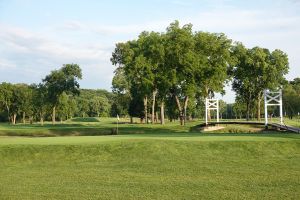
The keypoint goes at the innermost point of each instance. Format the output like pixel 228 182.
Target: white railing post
pixel 280 104
pixel 206 111
pixel 217 110
pixel 211 104
pixel 273 99
pixel 266 109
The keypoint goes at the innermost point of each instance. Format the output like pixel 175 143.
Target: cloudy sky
pixel 39 36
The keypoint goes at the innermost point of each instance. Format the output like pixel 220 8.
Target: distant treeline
pixel 25 102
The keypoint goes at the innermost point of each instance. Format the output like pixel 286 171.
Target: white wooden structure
pixel 273 99
pixel 211 104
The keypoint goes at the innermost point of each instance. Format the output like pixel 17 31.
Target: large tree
pixel 6 95
pixel 121 90
pixel 40 102
pixel 19 101
pixel 291 98
pixel 152 48
pixel 213 62
pixel 137 68
pixel 26 105
pixel 62 80
pixel 99 106
pixel 180 63
pixel 257 69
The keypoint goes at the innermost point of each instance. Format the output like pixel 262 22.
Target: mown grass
pixel 151 166
pixel 107 126
pixel 147 162
pixel 102 126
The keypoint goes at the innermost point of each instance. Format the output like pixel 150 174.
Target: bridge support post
pixel 218 115
pixel 211 104
pixel 280 107
pixel 206 112
pixel 266 109
pixel 273 99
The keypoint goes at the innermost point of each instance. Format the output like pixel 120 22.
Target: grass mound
pixel 151 167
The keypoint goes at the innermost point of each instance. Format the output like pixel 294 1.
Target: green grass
pixel 293 122
pixel 104 126
pixel 151 166
pixel 147 162
pixel 85 119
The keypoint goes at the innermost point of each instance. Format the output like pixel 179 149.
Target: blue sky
pixel 39 36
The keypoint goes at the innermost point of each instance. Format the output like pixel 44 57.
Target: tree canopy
pixel 174 65
pixel 257 69
pixel 60 81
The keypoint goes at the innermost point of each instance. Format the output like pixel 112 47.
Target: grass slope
pixel 151 166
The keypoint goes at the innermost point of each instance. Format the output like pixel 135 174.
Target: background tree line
pixel 57 97
pixel 174 71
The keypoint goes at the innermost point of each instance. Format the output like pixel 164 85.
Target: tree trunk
pixel 42 119
pixel 31 119
pixel 156 117
pixel 14 118
pixel 180 110
pixel 146 109
pixel 248 111
pixel 162 112
pixel 24 115
pixel 185 107
pixel 258 107
pixel 8 113
pixel 53 115
pixel 131 120
pixel 153 105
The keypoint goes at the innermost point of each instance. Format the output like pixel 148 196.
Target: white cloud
pixel 34 56
pixel 90 44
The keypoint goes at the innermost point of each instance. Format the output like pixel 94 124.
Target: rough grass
pixel 151 166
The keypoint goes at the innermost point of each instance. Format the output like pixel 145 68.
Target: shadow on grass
pixel 85 119
pixel 81 130
pixel 39 126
